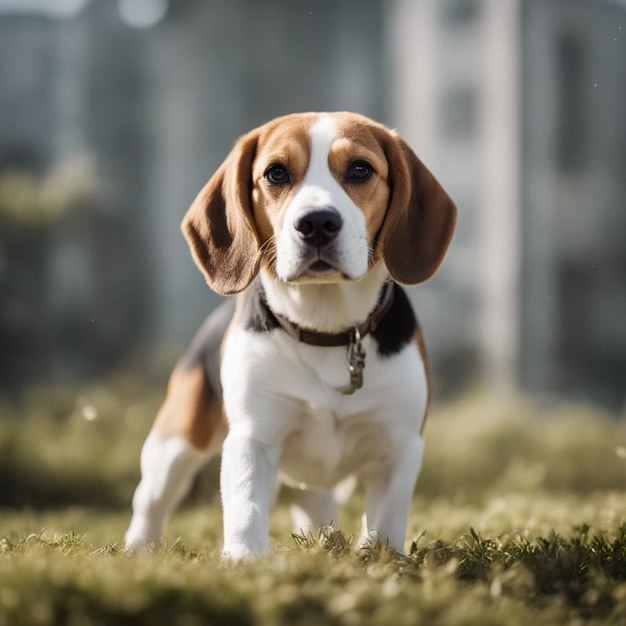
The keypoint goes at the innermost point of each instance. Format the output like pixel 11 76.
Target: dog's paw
pixel 141 545
pixel 237 552
pixel 141 536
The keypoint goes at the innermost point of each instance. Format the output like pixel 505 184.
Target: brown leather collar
pixel 344 338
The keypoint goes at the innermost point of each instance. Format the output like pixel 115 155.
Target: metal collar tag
pixel 356 364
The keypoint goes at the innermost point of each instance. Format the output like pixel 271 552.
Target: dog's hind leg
pixel 312 509
pixel 388 492
pixel 188 431
pixel 168 467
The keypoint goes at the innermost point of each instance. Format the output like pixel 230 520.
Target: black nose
pixel 319 226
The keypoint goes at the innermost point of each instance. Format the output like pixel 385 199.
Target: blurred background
pixel 113 114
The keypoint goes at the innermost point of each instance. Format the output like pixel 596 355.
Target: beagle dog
pixel 316 372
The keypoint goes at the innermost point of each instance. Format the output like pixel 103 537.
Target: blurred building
pixel 151 95
pixel 519 106
pixel 516 105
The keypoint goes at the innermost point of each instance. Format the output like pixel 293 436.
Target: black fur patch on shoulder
pixel 396 329
pixel 204 350
pixel 255 314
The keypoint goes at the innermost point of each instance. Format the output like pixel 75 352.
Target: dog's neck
pixel 328 307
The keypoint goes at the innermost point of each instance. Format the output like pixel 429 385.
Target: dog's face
pixel 319 198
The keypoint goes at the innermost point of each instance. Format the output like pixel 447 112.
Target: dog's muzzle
pixel 317 229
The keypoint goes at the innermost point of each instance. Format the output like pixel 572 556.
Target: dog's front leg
pixel 388 494
pixel 248 479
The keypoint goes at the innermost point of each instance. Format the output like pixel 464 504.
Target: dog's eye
pixel 277 174
pixel 360 171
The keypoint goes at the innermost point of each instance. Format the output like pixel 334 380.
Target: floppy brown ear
pixel 219 226
pixel 420 217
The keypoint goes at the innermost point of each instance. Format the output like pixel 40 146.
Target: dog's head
pixel 319 198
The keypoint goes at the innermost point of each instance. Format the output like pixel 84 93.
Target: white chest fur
pixel 284 395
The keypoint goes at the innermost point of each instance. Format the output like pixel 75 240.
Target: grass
pixel 519 517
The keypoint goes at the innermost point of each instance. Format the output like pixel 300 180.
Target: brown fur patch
pixel 418 339
pixel 191 410
pixel 358 142
pixel 287 144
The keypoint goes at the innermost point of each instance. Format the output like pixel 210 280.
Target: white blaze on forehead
pixel 319 185
pixel 323 133
pixel 319 189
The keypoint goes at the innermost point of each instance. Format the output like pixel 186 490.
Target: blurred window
pixel 459 112
pixel 461 13
pixel 572 94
